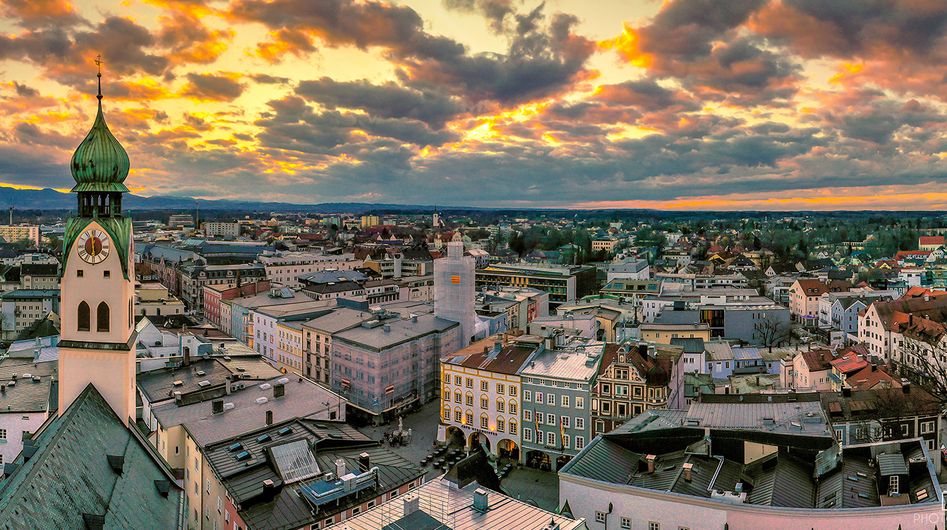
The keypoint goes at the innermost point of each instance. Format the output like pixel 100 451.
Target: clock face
pixel 93 246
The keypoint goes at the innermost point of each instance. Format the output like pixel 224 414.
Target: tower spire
pixel 98 64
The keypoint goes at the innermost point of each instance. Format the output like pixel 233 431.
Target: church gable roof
pixel 88 464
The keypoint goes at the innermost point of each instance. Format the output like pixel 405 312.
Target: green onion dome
pixel 100 163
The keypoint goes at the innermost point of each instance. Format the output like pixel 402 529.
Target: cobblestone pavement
pixel 423 425
pixel 539 487
pixel 534 486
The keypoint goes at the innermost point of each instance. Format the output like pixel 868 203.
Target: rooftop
pixel 302 398
pixel 442 505
pixel 809 471
pixel 577 361
pixel 392 332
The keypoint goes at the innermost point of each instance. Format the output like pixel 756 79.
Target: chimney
pixel 187 356
pixel 688 469
pixel 217 406
pixel 650 459
pixel 364 462
pixel 905 385
pixel 481 500
pixel 411 504
pixel 874 367
pixel 339 467
pixel 279 390
pixel 269 417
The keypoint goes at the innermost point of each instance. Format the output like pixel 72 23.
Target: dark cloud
pixel 848 28
pixel 294 126
pixel 646 94
pixel 541 59
pixel 385 101
pixel 24 90
pixel 213 87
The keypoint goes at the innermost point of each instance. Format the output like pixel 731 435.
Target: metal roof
pixel 454 508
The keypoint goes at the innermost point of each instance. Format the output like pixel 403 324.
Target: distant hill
pixel 50 199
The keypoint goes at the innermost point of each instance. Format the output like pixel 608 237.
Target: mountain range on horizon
pixel 50 199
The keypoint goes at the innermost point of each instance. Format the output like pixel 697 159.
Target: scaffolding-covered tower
pixel 454 289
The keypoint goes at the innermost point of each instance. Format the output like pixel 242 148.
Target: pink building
pixel 392 361
pixel 213 294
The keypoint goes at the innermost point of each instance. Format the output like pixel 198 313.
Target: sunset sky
pixel 704 104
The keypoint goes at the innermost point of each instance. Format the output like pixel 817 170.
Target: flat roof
pixel 399 331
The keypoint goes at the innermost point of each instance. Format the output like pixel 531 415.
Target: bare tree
pixel 771 331
pixel 928 374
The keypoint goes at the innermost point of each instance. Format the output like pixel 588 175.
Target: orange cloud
pixel 627 45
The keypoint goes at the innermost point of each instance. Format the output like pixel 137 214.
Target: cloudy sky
pixel 698 104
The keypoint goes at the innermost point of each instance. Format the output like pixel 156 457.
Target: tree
pixel 928 374
pixel 771 331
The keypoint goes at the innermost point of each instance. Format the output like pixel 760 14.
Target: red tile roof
pixel 818 359
pixel 849 362
pixel 930 240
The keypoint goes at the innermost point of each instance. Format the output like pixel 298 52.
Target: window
pixel 550 418
pixel 484 386
pixel 579 423
pixel 512 391
pixel 102 318
pixel 599 517
pixel 106 274
pixel 457 380
pixel 84 317
pixel 484 422
pixel 565 401
pixel 626 522
pixel 528 435
pixel 457 398
pixel 500 388
pixel 469 399
pixel 468 417
pixel 550 438
pixel 446 414
pixel 565 441
pixel 512 407
pixel 654 526
pixel 527 415
pixel 512 427
pixel 79 273
pixel 3 434
pixel 579 402
pixel 457 415
pixel 550 399
pixel 501 425
pixel 469 382
pixel 927 427
pixel 484 402
pixel 904 429
pixel 579 442
pixel 501 406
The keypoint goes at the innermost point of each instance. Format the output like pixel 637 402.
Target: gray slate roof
pixel 69 475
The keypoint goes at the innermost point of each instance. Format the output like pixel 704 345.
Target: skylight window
pixel 294 461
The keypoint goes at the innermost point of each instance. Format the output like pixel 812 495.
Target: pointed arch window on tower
pixel 83 317
pixel 102 317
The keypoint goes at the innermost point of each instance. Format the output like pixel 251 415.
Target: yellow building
pixel 663 333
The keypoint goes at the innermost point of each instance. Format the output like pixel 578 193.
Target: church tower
pixel 97 281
